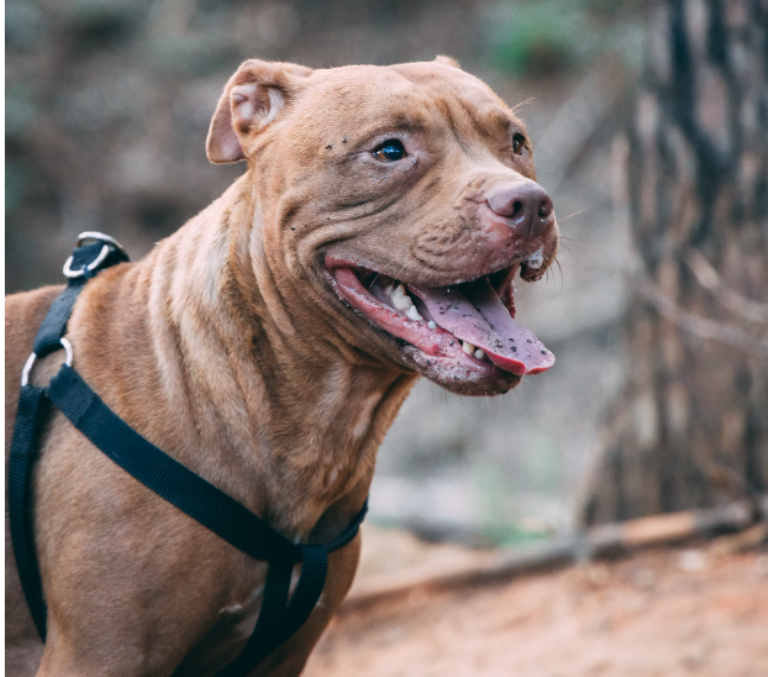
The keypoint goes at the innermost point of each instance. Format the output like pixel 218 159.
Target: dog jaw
pixel 462 336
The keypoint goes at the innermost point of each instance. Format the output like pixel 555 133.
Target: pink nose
pixel 526 206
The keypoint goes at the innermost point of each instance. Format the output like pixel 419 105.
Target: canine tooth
pixel 467 347
pixel 413 314
pixel 400 299
pixel 432 324
pixel 479 354
pixel 535 260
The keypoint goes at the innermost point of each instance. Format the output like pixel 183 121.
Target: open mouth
pixel 468 326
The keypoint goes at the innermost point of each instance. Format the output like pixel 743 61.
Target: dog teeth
pixel 535 260
pixel 479 354
pixel 400 299
pixel 468 348
pixel 412 313
pixel 432 324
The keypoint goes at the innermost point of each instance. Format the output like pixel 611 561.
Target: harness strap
pixel 278 618
pixel 79 269
pixel 314 568
pixel 212 508
pixel 30 417
pixel 164 475
pixel 273 602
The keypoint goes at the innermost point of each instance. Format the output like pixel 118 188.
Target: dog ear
pixel 446 61
pixel 252 98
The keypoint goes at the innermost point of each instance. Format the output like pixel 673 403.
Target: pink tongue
pixel 476 314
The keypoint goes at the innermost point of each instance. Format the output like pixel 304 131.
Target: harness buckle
pixel 109 244
pixel 70 355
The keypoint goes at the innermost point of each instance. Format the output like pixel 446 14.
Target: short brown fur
pixel 227 348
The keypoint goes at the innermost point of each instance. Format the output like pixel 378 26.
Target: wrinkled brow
pixel 494 119
pixel 488 119
pixel 400 121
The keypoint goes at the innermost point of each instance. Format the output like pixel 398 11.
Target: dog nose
pixel 526 205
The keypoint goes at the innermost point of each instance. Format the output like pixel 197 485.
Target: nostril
pixel 521 202
pixel 546 208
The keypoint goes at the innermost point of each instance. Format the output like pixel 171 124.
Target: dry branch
pixel 710 279
pixel 701 327
pixel 599 542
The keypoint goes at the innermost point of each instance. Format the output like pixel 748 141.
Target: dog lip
pixel 333 262
pixel 435 346
pixel 473 330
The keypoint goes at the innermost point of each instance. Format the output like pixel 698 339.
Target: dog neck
pixel 291 424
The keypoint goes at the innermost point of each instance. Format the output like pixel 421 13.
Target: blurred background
pixel 650 127
pixel 107 108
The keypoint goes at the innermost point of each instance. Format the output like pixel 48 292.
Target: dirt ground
pixel 666 613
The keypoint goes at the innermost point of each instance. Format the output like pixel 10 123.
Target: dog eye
pixel 391 150
pixel 518 144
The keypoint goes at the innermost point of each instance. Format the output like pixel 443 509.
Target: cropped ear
pixel 253 97
pixel 446 61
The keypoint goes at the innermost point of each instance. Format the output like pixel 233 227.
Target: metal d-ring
pixel 70 355
pixel 93 264
pixel 101 237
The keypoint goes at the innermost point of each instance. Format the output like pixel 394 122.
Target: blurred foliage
pixel 515 534
pixel 542 38
pixel 503 519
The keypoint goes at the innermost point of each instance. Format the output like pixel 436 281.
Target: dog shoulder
pixel 24 312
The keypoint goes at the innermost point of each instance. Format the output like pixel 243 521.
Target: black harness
pixel 279 617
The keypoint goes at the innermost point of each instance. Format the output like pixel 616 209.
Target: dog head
pixel 398 203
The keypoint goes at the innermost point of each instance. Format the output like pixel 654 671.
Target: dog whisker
pixel 522 103
pixel 570 216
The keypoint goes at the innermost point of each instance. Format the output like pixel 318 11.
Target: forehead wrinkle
pixel 444 108
pixel 402 108
pixel 488 120
pixel 487 112
pixel 465 119
pixel 384 121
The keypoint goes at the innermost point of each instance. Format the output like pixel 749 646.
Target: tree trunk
pixel 691 426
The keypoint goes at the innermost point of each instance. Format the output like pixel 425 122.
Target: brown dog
pixel 268 345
